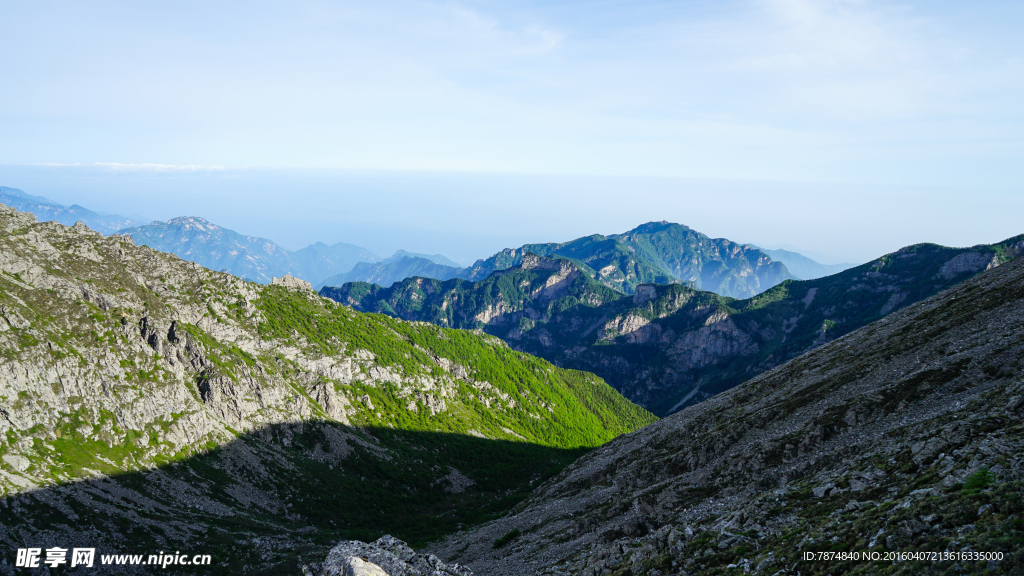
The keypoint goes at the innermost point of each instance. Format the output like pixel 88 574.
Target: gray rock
pixel 1014 404
pixel 359 567
pixel 909 528
pixel 19 463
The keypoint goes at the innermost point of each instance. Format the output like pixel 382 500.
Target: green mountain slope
pixel 666 347
pixel 656 253
pixel 46 210
pixel 257 259
pixel 162 403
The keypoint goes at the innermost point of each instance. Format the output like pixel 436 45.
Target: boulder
pixel 387 556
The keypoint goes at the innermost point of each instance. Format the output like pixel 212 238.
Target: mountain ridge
pixel 656 252
pixel 46 209
pixel 669 345
pixel 395 269
pixel 258 259
pixel 803 267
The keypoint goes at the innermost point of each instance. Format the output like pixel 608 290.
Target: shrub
pixel 978 481
pixel 512 535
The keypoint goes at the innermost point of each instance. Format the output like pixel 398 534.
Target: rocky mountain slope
pixel 398 267
pixel 256 259
pixel 147 401
pixel 656 253
pixel 666 347
pixel 902 437
pixel 46 210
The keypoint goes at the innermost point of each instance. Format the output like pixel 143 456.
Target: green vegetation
pixel 978 481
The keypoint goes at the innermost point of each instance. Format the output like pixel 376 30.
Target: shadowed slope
pixel 282 495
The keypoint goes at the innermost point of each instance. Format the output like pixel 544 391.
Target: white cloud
pixel 491 34
pixel 145 167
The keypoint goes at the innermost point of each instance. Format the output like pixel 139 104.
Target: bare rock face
pixel 387 556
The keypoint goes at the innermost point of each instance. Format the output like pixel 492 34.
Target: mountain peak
pixel 193 223
pixel 657 226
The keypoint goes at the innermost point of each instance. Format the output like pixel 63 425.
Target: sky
pixel 843 128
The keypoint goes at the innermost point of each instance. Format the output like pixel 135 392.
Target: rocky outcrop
pixel 387 556
pixel 290 281
pixel 92 325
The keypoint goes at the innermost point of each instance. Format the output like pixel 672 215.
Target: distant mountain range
pixel 257 259
pixel 656 252
pixel 803 267
pixel 47 210
pixel 147 400
pixel 653 253
pixel 398 267
pixel 669 346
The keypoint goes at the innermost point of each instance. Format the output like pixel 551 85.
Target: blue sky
pixel 758 120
